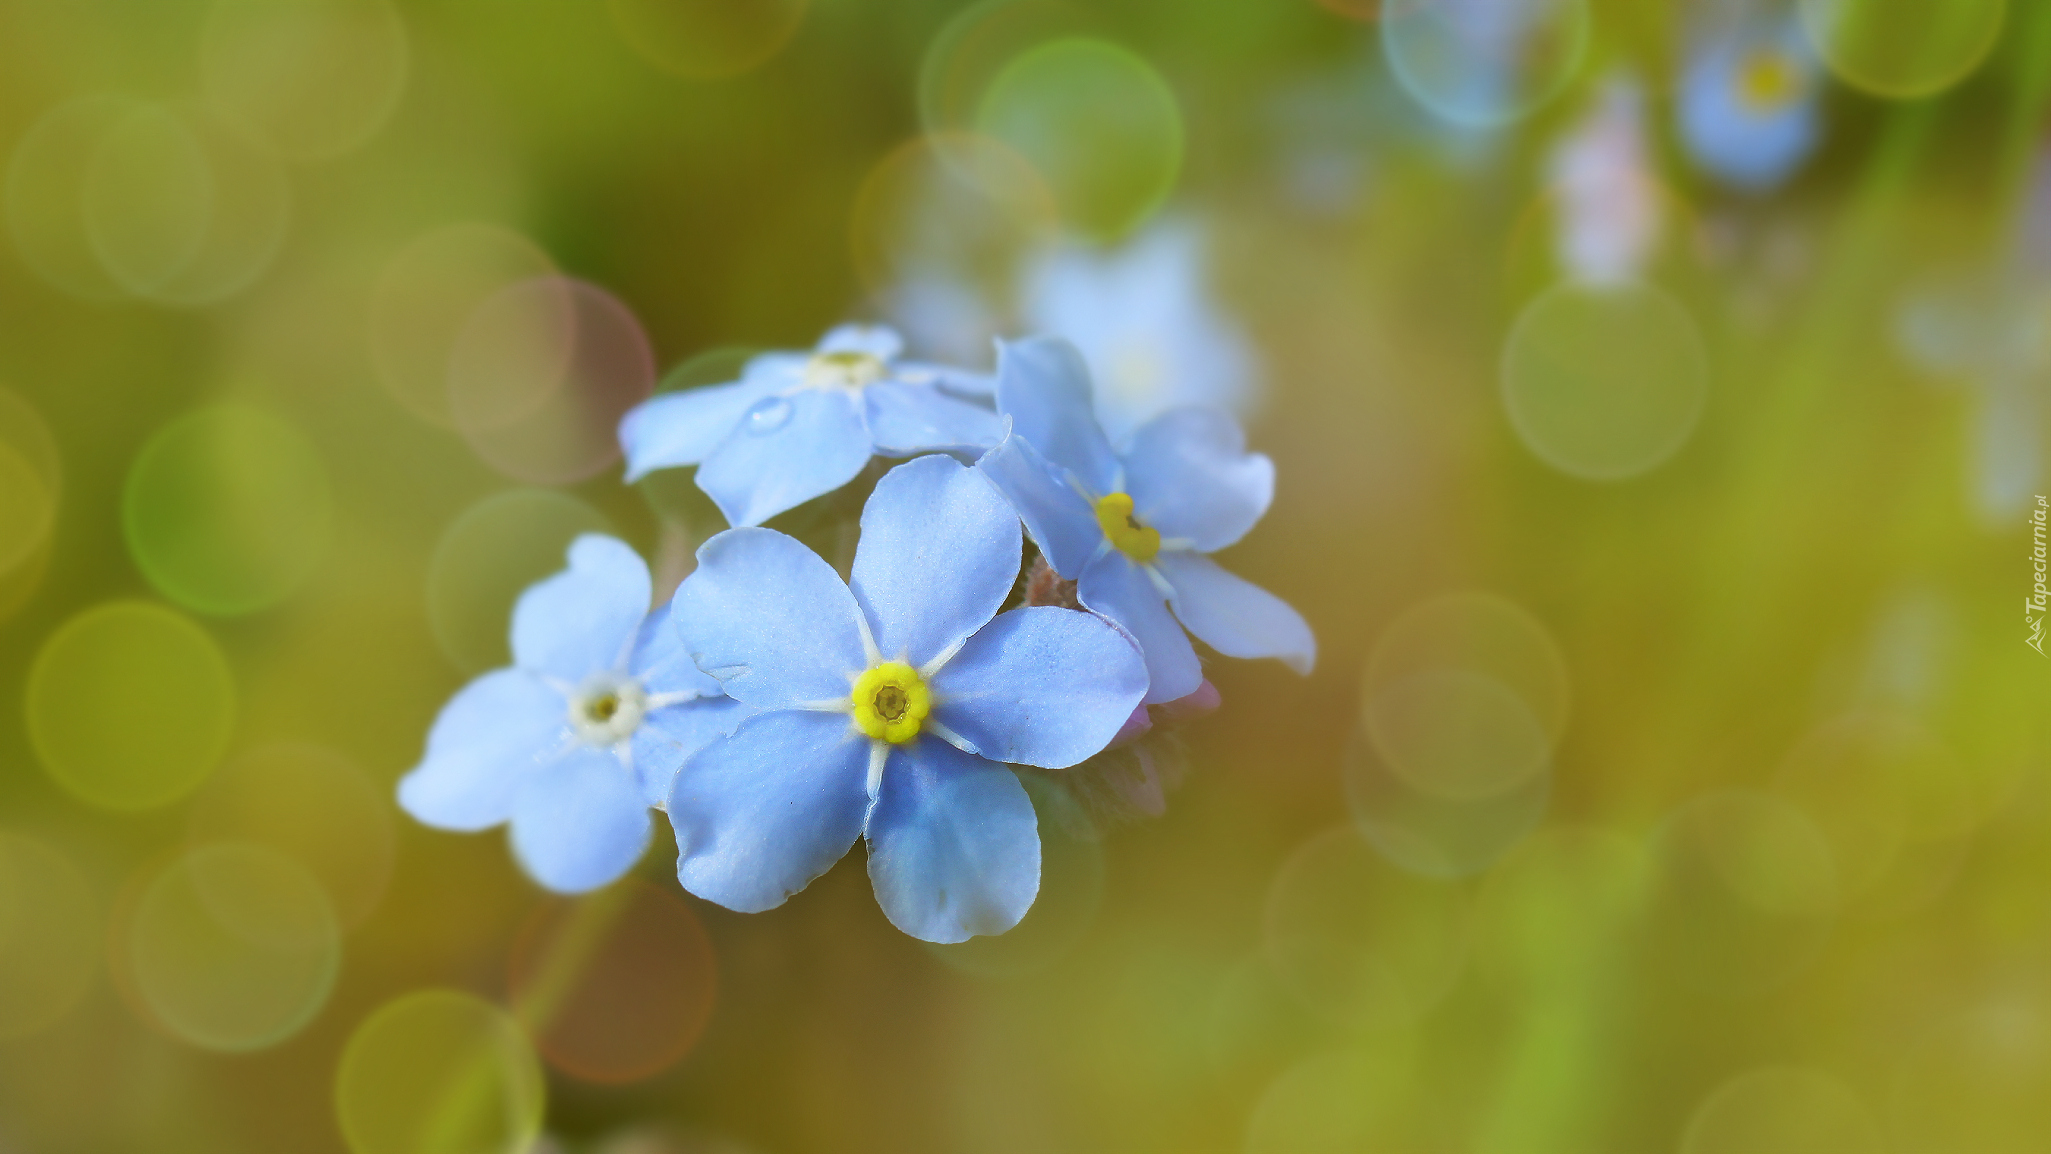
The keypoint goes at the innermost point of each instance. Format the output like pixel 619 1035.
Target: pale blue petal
pixel 960 382
pixel 760 814
pixel 954 847
pixel 1233 615
pixel 583 620
pixel 879 341
pixel 1117 588
pixel 669 736
pixel 663 664
pixel 1043 386
pixel 683 428
pixel 1191 478
pixel 1062 524
pixel 1041 686
pixel 939 554
pixel 785 452
pixel 906 419
pixel 582 823
pixel 770 620
pixel 488 741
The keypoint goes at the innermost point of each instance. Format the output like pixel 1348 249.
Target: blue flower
pixel 581 735
pixel 1131 530
pixel 888 703
pixel 1145 325
pixel 1748 110
pixel 800 425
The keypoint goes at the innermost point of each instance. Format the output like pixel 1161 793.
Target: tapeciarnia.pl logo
pixel 2033 609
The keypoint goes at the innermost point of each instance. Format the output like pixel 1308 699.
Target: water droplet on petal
pixel 768 415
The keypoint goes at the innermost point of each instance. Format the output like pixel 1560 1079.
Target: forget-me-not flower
pixel 1748 105
pixel 888 704
pixel 800 425
pixel 1144 323
pixel 575 740
pixel 1132 529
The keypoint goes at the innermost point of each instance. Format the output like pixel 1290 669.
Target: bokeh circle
pixel 1604 381
pixel 1485 63
pixel 50 935
pixel 490 553
pixel 1902 49
pixel 439 1072
pixel 310 79
pixel 234 947
pixel 130 705
pixel 614 986
pixel 1099 124
pixel 228 509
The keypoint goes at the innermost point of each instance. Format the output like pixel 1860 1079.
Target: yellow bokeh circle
pixel 49 935
pixel 130 705
pixel 439 1072
pixel 235 947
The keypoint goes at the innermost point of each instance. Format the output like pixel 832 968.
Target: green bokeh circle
pixel 1098 123
pixel 227 509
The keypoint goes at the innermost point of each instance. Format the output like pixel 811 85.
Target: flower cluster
pixel 778 712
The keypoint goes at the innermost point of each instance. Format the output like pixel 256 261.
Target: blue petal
pixel 784 453
pixel 906 419
pixel 489 740
pixel 1234 616
pixel 663 664
pixel 1041 686
pixel 770 620
pixel 954 848
pixel 960 382
pixel 879 341
pixel 1043 386
pixel 762 813
pixel 583 620
pixel 1062 524
pixel 683 428
pixel 1191 478
pixel 938 556
pixel 582 823
pixel 1117 588
pixel 669 736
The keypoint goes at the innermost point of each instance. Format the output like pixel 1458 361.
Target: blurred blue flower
pixel 800 425
pixel 1610 212
pixel 1144 322
pixel 888 703
pixel 1131 530
pixel 1748 105
pixel 575 740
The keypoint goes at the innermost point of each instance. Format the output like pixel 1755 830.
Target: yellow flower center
pixel 846 370
pixel 1768 80
pixel 1133 539
pixel 890 702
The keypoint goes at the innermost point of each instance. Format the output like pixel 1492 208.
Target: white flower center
pixel 846 370
pixel 607 708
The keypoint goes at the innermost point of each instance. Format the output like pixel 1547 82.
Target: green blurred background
pixel 1672 778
